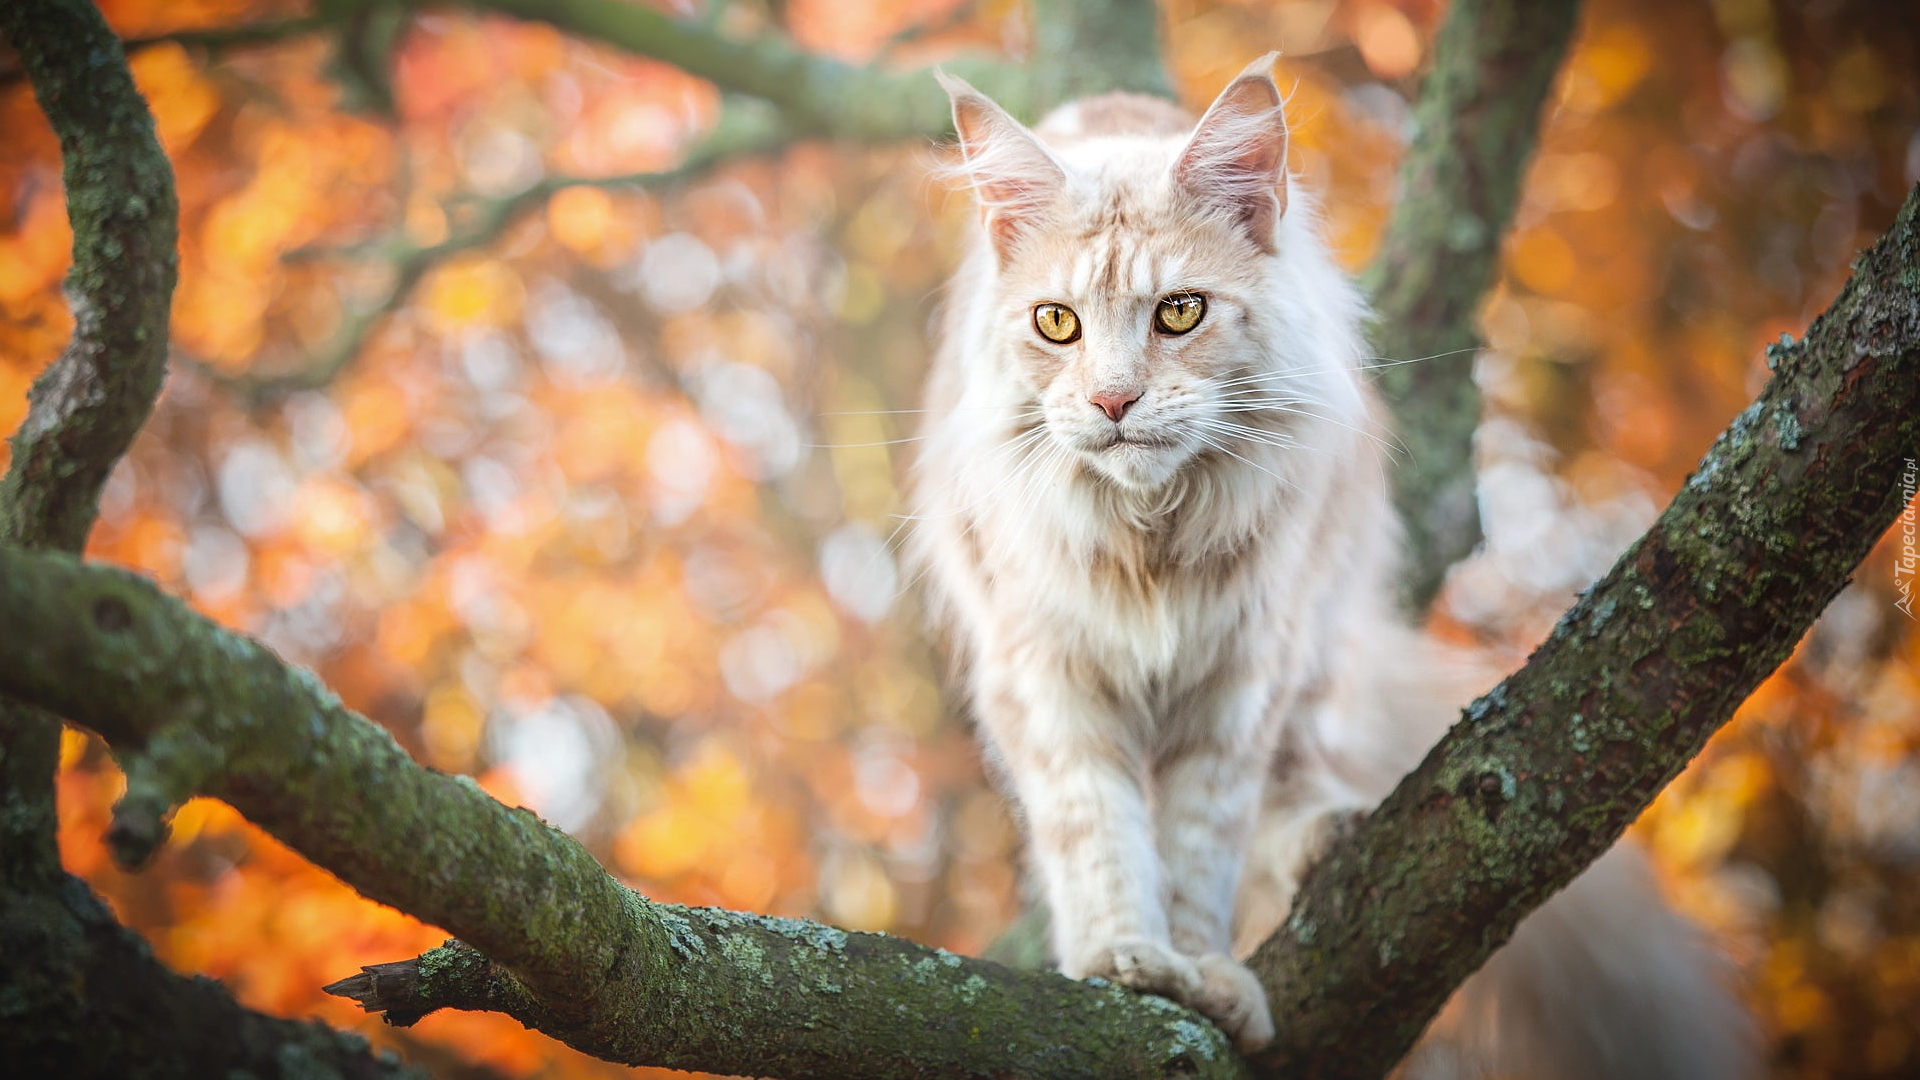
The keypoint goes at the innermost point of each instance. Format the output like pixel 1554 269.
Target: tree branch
pixel 1544 773
pixel 1475 126
pixel 215 41
pixel 192 708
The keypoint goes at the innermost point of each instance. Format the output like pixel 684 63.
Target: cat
pixel 1152 511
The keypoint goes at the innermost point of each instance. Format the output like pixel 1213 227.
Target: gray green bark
pixel 1544 773
pixel 1475 126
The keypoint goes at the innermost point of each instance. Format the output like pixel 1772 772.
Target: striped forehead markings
pixel 1107 267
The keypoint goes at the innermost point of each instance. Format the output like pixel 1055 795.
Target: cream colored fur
pixel 1175 628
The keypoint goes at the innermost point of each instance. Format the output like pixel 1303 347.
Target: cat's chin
pixel 1137 466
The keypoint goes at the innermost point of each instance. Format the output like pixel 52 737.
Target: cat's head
pixel 1133 256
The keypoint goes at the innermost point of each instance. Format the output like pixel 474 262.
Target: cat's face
pixel 1134 342
pixel 1126 265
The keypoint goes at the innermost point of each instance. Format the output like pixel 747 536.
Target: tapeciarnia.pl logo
pixel 1908 562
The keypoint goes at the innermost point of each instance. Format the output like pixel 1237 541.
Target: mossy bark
pixel 1475 126
pixel 1544 773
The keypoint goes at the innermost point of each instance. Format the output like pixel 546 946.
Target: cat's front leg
pixel 1209 779
pixel 1077 770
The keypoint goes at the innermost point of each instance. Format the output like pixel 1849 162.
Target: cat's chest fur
pixel 1142 599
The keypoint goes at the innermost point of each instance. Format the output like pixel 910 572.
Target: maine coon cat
pixel 1152 507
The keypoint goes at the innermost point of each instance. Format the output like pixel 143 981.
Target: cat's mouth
pixel 1139 442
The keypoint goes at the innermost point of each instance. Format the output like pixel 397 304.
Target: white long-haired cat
pixel 1153 511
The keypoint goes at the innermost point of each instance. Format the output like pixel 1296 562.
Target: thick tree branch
pixel 1544 773
pixel 192 708
pixel 1475 125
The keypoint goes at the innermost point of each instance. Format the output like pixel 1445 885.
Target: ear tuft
pixel 1237 157
pixel 1013 176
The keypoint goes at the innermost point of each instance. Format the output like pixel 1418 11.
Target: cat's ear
pixel 1014 178
pixel 1237 157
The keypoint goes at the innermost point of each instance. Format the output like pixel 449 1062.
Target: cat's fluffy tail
pixel 1603 982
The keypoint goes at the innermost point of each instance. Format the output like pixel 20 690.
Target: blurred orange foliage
pixel 604 512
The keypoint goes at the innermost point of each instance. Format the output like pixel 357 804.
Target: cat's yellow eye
pixel 1179 313
pixel 1056 322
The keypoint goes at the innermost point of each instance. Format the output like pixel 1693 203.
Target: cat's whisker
pixel 1375 363
pixel 1250 433
pixel 1363 364
pixel 1023 471
pixel 1023 443
pixel 1271 376
pixel 1260 437
pixel 1016 409
pixel 1294 407
pixel 904 439
pixel 1248 461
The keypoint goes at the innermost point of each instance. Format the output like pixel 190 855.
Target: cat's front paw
pixel 1143 965
pixel 1231 997
pixel 1215 985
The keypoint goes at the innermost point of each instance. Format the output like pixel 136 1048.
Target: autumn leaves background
pixel 601 507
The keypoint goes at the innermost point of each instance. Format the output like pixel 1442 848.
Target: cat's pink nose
pixel 1114 402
